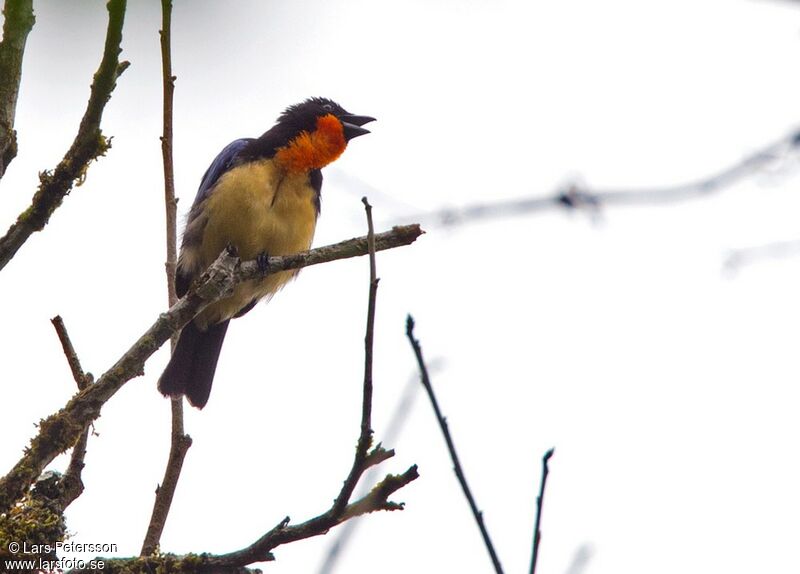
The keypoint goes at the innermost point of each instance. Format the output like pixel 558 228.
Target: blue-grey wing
pixel 224 161
pixel 189 262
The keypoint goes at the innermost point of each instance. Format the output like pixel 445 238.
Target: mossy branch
pixel 88 145
pixel 18 23
pixel 61 430
pixel 260 550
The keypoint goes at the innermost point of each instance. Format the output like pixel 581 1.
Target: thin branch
pixel 462 479
pixel 81 379
pixel 365 437
pixel 576 196
pixel 393 430
pixel 366 406
pixel 179 440
pixel 18 23
pixel 89 144
pixel 59 431
pixel 179 446
pixel 537 531
pixel 261 549
pixel 377 499
pixel 170 203
pixel 71 484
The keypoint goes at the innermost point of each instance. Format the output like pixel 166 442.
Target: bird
pixel 260 197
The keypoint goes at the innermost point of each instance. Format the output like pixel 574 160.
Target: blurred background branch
pixel 576 196
pixel 737 259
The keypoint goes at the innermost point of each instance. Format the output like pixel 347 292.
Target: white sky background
pixel 668 388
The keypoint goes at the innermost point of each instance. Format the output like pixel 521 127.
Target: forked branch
pixel 59 431
pixel 88 145
pixel 341 510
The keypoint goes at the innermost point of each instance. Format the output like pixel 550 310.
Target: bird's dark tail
pixel 191 368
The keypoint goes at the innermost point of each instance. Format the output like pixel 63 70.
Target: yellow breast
pixel 256 207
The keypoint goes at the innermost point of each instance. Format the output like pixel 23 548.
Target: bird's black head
pixel 303 117
pixel 308 135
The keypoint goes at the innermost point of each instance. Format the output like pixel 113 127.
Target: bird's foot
pixel 262 259
pixel 232 250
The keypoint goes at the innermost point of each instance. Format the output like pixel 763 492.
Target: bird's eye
pixel 327 107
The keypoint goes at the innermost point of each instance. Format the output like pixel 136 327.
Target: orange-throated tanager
pixel 260 196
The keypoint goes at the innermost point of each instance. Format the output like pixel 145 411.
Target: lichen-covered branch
pixel 283 533
pixel 260 550
pixel 18 23
pixel 59 431
pixel 337 546
pixel 38 520
pixel 89 144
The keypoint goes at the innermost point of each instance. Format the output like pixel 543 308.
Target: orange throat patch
pixel 316 149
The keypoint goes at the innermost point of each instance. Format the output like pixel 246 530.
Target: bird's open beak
pixel 352 125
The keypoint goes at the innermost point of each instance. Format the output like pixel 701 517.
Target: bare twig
pixel 179 440
pixel 462 479
pixel 261 549
pixel 60 430
pixel 81 379
pixel 89 144
pixel 71 484
pixel 393 430
pixel 377 499
pixel 576 196
pixel 366 406
pixel 179 446
pixel 170 203
pixel 537 531
pixel 18 23
pixel 365 437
